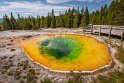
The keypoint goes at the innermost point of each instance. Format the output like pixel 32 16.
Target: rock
pixel 13 49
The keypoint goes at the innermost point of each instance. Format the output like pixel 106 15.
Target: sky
pixel 42 7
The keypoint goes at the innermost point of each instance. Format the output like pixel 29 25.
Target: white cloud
pixel 27 13
pixel 34 8
pixel 89 0
pixel 58 1
pixel 63 1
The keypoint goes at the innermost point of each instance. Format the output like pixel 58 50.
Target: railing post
pixel 92 30
pixel 122 36
pixel 110 32
pixel 83 31
pixel 100 31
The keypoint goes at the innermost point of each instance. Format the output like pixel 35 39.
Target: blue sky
pixel 42 7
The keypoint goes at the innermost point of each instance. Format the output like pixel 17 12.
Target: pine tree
pixel 76 19
pixel 42 22
pixel 13 22
pixel 111 13
pixel 92 17
pixel 33 21
pixel 19 22
pixel 29 24
pixel 66 19
pixel 85 20
pixel 53 21
pixel 73 10
pixel 69 18
pixel 6 23
pixel 38 22
pixel 102 14
pixel 119 13
pixel 25 23
pixel 82 11
pixel 48 21
pixel 60 20
pixel 22 23
pixel 62 23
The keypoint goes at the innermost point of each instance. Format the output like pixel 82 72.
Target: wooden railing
pixel 111 30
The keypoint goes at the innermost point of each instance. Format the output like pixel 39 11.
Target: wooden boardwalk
pixel 108 30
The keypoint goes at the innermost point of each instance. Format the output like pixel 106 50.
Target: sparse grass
pixel 121 80
pixel 120 50
pixel 116 74
pixel 76 79
pixel 107 41
pixel 21 81
pixel 103 79
pixel 46 80
pixel 6 67
pixel 120 54
pixel 17 75
pixel 25 64
pixel 112 77
pixel 10 73
pixel 31 76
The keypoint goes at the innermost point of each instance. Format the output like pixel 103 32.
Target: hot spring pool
pixel 67 52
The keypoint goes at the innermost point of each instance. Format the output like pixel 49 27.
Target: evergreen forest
pixel 72 18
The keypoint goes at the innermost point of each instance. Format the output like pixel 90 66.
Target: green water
pixel 60 47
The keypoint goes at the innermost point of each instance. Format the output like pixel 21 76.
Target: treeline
pixel 112 15
pixel 72 18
